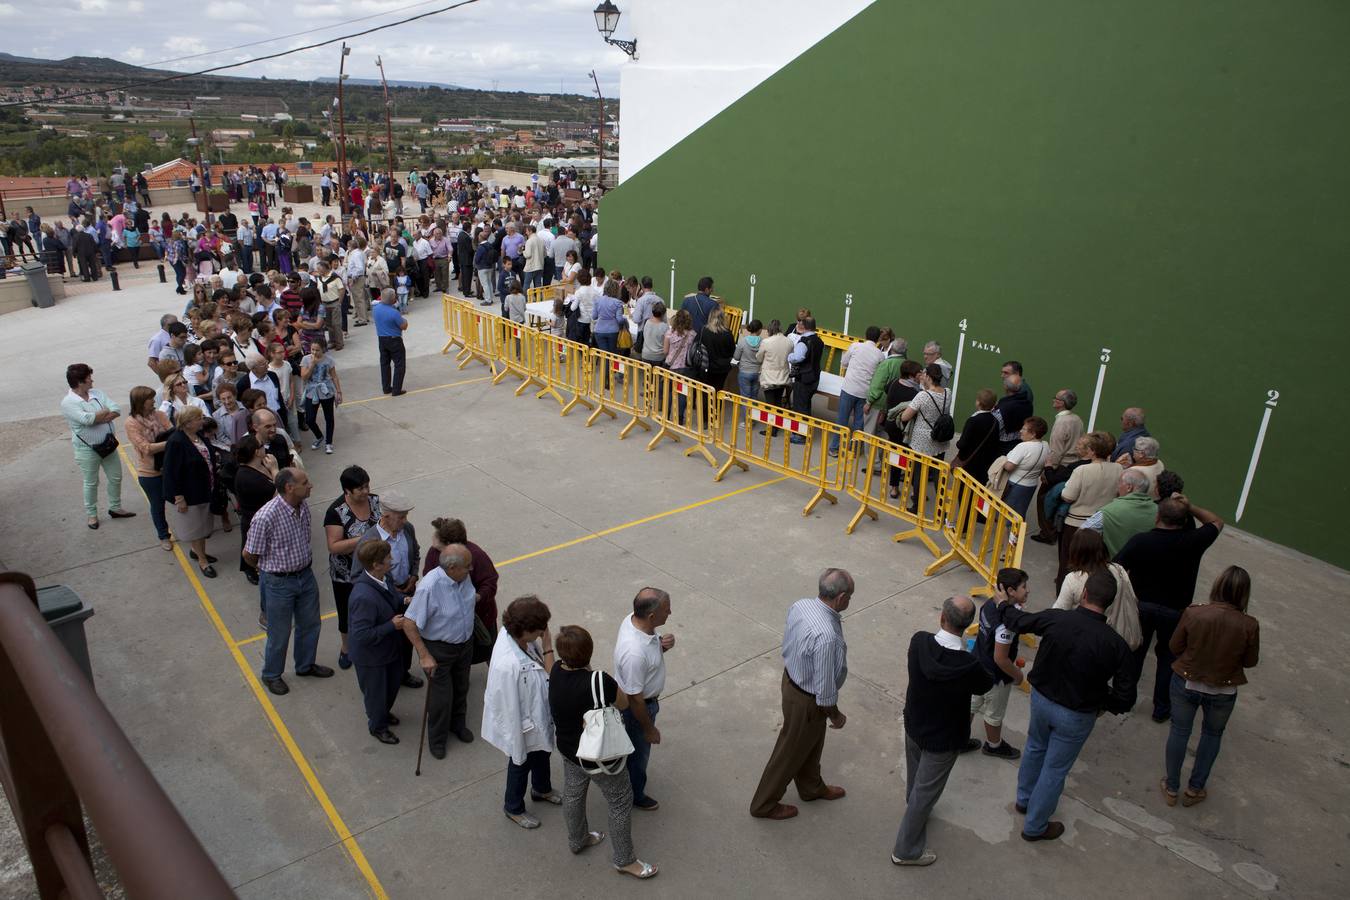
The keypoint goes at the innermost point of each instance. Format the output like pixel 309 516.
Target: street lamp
pixel 606 21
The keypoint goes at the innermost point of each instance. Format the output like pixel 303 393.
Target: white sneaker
pixel 328 448
pixel 315 445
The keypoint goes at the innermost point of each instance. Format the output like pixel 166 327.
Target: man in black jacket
pixel 1083 668
pixel 942 678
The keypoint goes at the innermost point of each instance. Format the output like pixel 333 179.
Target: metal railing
pixel 64 755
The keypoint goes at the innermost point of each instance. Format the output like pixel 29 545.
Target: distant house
pixel 159 137
pixel 459 125
pixel 228 138
pixel 282 117
pixel 248 117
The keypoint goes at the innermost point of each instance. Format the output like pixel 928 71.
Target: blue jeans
pixel 642 751
pixel 1018 496
pixel 850 414
pixel 284 597
pixel 531 280
pixel 607 342
pixel 1185 704
pixel 749 384
pixel 153 485
pixel 1054 738
pixel 535 770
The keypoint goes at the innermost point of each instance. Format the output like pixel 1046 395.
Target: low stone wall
pixel 15 295
pixel 53 208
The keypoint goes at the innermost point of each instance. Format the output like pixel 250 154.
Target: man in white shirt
pixel 229 276
pixel 269 243
pixel 356 283
pixel 640 670
pixel 859 363
pixel 932 353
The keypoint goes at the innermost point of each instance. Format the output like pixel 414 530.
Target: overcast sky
pixel 532 45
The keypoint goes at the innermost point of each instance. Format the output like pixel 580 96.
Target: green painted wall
pixel 1169 180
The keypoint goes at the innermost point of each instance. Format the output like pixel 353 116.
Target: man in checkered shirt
pixel 278 545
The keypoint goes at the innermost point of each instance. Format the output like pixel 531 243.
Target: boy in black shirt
pixel 996 649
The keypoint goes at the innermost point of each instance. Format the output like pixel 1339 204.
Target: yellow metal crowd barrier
pixel 697 421
pixel 986 546
pixel 735 318
pixel 452 313
pixel 479 328
pixel 542 292
pixel 618 384
pixel 836 342
pixel 516 349
pixel 872 464
pixel 560 365
pixel 754 432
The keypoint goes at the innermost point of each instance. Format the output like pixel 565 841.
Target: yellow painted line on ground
pixel 590 537
pixel 643 521
pixel 287 740
pixel 438 387
pixel 259 637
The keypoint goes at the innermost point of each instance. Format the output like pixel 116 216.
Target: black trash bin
pixel 65 612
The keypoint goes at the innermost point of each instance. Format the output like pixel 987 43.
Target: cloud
pixel 182 44
pixel 230 11
pixel 516 45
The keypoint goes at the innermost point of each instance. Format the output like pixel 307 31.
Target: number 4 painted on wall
pixel 1272 400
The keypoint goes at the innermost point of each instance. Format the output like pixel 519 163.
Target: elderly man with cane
pixel 439 623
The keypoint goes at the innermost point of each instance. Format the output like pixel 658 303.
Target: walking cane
pixel 422 741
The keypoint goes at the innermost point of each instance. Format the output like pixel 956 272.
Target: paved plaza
pixel 293 799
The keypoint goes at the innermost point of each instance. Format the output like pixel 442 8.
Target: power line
pixel 247 62
pixel 282 37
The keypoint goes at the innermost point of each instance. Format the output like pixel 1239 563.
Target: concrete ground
pixel 274 786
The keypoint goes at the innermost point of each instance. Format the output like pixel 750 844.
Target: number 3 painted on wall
pixel 1274 398
pixel 1106 355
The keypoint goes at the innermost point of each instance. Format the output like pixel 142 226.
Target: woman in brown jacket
pixel 1212 643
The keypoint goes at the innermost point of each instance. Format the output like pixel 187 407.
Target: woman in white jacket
pixel 516 716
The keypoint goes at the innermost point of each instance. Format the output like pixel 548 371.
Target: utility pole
pixel 388 132
pixel 197 148
pixel 600 172
pixel 342 134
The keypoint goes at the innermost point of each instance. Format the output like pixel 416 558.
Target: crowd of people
pixel 251 366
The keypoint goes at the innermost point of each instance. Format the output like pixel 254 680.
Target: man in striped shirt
pixel 815 664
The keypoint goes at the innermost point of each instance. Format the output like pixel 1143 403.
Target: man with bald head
pixel 439 623
pixel 263 423
pixel 942 678
pixel 640 670
pixel 815 664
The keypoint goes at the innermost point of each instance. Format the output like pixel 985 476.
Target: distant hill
pixel 363 99
pixel 375 82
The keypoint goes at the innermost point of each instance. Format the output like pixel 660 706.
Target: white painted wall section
pixel 697 57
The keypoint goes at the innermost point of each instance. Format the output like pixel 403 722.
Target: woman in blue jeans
pixel 607 319
pixel 1213 644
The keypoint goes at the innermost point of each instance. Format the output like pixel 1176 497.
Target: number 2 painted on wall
pixel 1274 398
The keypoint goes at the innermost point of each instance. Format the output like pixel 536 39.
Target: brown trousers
pixel 796 755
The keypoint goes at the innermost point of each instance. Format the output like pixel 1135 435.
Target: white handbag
pixel 604 745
